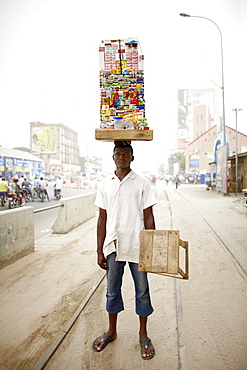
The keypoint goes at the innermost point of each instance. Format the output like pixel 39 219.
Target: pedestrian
pixel 177 181
pixel 125 202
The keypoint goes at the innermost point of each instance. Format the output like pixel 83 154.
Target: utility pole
pixel 236 110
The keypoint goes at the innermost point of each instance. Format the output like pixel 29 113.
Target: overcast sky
pixel 49 63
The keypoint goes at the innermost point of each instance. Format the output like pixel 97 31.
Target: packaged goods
pixel 122 103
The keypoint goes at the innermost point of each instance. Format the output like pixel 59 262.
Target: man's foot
pixel 101 342
pixel 147 349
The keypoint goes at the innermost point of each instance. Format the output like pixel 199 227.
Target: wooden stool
pixel 160 253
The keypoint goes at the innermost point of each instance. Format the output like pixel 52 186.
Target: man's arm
pixel 149 222
pixel 101 233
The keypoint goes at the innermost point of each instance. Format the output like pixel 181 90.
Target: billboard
pixel 44 139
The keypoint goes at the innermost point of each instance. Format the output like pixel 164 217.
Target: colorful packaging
pixel 121 83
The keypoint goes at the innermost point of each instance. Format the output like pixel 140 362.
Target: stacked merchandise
pixel 122 85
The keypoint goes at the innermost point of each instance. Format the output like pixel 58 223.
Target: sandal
pixel 146 343
pixel 103 338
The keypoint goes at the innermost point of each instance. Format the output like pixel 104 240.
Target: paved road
pixel 198 324
pixel 43 221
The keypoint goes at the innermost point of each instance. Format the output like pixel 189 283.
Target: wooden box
pixel 123 135
pixel 160 253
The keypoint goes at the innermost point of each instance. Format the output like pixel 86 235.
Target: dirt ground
pixel 197 324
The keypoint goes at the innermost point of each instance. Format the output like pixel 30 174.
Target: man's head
pixel 123 155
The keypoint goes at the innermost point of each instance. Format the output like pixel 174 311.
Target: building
pixel 198 111
pixel 57 145
pixel 17 163
pixel 91 167
pixel 201 152
pixel 241 170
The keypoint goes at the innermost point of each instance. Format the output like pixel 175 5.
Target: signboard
pixel 2 164
pixel 44 140
pixel 183 133
pixel 221 169
pixel 194 163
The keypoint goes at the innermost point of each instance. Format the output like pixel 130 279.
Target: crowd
pixel 25 187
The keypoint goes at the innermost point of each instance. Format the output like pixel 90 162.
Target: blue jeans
pixel 114 301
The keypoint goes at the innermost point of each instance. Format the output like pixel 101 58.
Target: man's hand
pixel 102 261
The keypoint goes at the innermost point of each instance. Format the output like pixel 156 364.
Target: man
pixel 27 186
pixel 125 203
pixel 4 186
pixel 58 185
pixel 21 179
pixel 16 189
pixel 43 184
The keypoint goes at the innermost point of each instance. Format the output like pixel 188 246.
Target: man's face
pixel 122 157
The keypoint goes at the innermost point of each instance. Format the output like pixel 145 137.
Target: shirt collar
pixel 131 175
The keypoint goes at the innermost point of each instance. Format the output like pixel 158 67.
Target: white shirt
pixel 124 202
pixel 59 183
pixel 42 184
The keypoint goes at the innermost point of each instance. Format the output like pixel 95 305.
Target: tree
pixel 22 148
pixel 179 158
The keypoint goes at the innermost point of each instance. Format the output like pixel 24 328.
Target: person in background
pixel 58 185
pixel 16 189
pixel 43 184
pixel 125 202
pixel 21 179
pixel 36 185
pixel 28 186
pixel 4 185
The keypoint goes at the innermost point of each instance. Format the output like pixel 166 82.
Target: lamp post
pixel 222 70
pixel 236 160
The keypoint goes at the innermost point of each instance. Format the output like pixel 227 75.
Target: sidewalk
pixel 199 324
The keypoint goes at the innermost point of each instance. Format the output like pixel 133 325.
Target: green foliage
pixel 179 158
pixel 22 148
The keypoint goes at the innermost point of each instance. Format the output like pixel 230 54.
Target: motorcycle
pixel 27 195
pixel 58 194
pixel 15 200
pixel 35 193
pixel 3 197
pixel 42 194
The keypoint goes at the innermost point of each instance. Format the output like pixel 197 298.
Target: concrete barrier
pixel 16 234
pixel 74 212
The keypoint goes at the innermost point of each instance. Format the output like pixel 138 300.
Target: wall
pixel 16 234
pixel 17 226
pixel 74 212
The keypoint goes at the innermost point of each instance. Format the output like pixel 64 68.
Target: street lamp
pixel 222 70
pixel 236 161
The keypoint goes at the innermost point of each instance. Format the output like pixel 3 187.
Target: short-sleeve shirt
pixel 124 202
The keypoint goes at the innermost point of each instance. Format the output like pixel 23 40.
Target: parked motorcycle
pixel 15 200
pixel 3 197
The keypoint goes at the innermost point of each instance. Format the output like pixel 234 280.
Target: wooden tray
pixel 160 253
pixel 123 135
